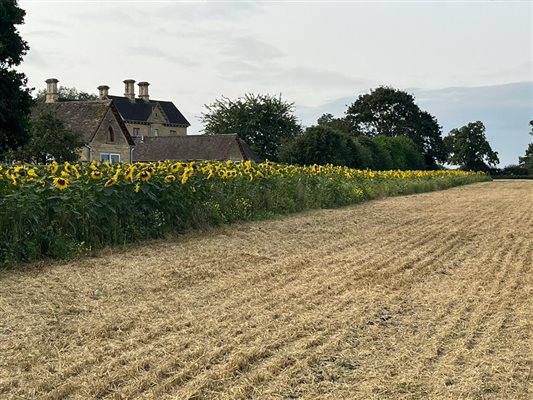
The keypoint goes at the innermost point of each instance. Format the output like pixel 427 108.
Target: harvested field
pixel 422 296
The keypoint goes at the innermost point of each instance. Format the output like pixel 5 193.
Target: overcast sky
pixel 313 53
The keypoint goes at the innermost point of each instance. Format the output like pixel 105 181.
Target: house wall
pixel 147 130
pixel 101 142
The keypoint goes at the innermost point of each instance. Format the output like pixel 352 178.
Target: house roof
pixel 140 110
pixel 84 117
pixel 193 147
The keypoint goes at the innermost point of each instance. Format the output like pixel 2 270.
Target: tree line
pixel 382 129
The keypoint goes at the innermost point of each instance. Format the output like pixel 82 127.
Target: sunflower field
pixel 57 211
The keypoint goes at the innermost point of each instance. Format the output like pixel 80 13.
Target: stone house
pixel 104 132
pixel 143 116
pixel 128 129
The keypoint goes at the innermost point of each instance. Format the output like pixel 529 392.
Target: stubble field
pixel 422 296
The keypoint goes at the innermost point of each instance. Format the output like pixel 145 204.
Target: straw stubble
pixel 422 296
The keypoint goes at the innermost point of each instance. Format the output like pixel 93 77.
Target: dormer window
pixel 111 135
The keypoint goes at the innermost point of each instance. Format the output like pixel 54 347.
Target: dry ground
pixel 423 296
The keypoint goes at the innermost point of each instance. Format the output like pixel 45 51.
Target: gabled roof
pixel 193 147
pixel 84 117
pixel 140 110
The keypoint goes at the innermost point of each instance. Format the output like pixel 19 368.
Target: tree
pixel 389 112
pixel 329 120
pixel 50 138
pixel 320 145
pixel 15 98
pixel 373 154
pixel 264 122
pixel 66 93
pixel 526 162
pixel 469 148
pixel 403 152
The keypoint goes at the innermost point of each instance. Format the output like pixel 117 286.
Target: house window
pixel 113 158
pixel 135 131
pixel 172 132
pixel 111 134
pixel 156 132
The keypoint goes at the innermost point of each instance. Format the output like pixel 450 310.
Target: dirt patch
pixel 423 296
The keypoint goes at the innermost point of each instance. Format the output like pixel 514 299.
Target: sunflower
pixel 137 187
pixel 110 182
pixel 53 167
pixel 76 172
pixel 144 176
pixel 175 167
pixel 170 178
pixel 61 183
pixel 96 174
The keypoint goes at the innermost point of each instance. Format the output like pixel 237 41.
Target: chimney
pixel 143 91
pixel 52 95
pixel 104 92
pixel 129 89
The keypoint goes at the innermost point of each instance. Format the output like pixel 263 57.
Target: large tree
pixel 262 121
pixel 50 138
pixel 527 161
pixel 469 148
pixel 390 112
pixel 15 97
pixel 320 145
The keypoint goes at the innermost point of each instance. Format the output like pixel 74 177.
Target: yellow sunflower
pixel 96 174
pixel 61 183
pixel 53 167
pixel 144 176
pixel 110 182
pixel 170 178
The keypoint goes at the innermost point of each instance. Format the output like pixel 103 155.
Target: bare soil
pixel 414 297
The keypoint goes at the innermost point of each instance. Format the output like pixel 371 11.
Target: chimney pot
pixel 143 91
pixel 129 89
pixel 104 92
pixel 52 94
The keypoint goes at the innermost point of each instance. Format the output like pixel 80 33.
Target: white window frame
pixel 108 157
pixel 136 132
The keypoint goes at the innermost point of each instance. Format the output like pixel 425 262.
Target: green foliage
pixel 389 112
pixel 526 162
pixel 325 145
pixel 330 121
pixel 514 170
pixel 373 154
pixel 469 148
pixel 15 98
pixel 403 152
pixel 50 138
pixel 66 93
pixel 264 122
pixel 320 145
